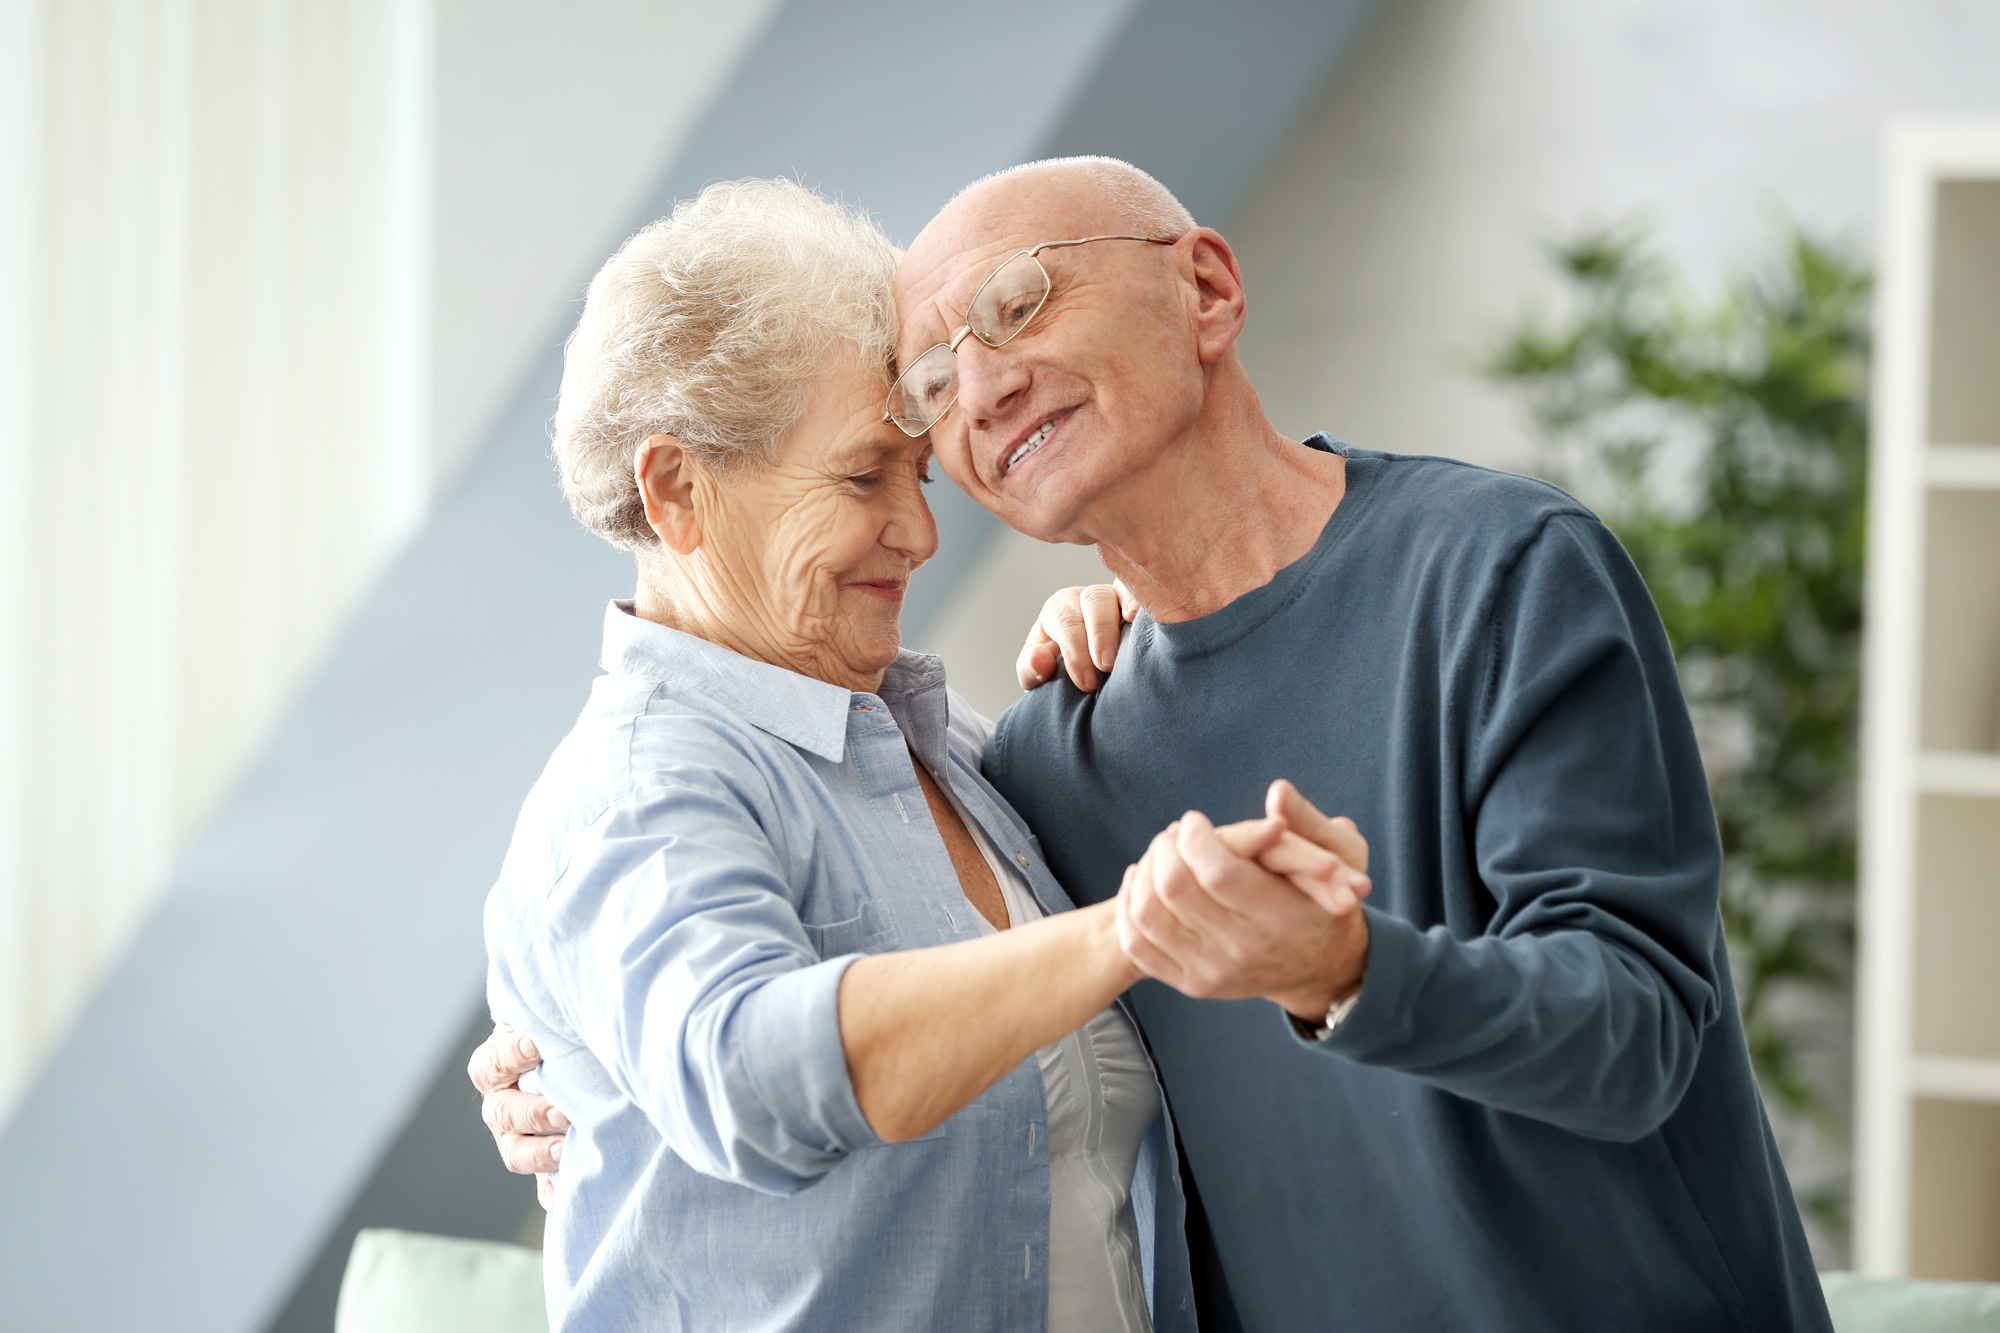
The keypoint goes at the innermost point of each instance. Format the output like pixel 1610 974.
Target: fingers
pixel 1329 881
pixel 545 1190
pixel 1062 623
pixel 1145 955
pixel 1334 886
pixel 1037 662
pixel 500 1060
pixel 1128 605
pixel 530 1154
pixel 1103 622
pixel 1148 910
pixel 1253 837
pixel 1321 875
pixel 1339 835
pixel 1172 928
pixel 1080 627
pixel 511 1111
pixel 1154 947
pixel 1242 888
pixel 1202 915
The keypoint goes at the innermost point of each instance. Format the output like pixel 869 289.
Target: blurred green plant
pixel 1726 443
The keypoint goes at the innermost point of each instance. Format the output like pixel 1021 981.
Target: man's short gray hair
pixel 712 325
pixel 1138 199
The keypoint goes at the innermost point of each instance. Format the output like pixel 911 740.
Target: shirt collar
pixel 799 710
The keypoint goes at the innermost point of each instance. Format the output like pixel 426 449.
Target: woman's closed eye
pixel 870 480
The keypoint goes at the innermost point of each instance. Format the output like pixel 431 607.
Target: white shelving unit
pixel 1928 1092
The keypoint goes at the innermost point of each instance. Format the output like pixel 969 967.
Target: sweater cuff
pixel 1383 1016
pixel 789 1032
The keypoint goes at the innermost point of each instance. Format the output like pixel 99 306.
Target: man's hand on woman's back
pixel 527 1129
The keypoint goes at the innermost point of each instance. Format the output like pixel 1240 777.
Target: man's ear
pixel 664 470
pixel 1220 307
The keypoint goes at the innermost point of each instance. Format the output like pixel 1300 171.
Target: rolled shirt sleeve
pixel 1584 1002
pixel 692 980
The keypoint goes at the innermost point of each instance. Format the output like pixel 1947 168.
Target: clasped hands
pixel 1268 908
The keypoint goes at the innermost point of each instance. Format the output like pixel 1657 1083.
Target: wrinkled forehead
pixel 962 247
pixel 931 300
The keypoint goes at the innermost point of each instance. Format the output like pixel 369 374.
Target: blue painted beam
pixel 183 1157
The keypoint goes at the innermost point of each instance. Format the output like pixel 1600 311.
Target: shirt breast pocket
pixel 867 931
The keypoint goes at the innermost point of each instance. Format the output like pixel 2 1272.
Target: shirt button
pixel 1021 859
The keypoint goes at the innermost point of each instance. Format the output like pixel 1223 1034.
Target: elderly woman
pixel 834 1048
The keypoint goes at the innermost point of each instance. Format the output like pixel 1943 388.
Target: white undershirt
pixel 1102 1099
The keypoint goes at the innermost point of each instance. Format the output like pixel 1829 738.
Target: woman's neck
pixel 666 597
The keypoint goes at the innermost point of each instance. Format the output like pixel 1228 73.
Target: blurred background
pixel 291 610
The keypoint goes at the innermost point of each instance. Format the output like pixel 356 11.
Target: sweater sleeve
pixel 1584 1001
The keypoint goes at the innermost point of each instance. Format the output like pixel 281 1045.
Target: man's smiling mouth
pixel 1036 439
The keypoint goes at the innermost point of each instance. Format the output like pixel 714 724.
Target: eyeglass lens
pixel 1001 308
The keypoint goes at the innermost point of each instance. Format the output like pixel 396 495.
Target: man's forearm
pixel 1565 1027
pixel 927 1030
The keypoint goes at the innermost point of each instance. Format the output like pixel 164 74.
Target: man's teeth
pixel 1029 445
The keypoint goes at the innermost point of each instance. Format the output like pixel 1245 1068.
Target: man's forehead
pixel 960 246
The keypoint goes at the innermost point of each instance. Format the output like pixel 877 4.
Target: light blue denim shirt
pixel 707 851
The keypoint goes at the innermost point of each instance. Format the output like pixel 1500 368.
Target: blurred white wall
pixel 212 426
pixel 1405 221
pixel 267 268
pixel 555 123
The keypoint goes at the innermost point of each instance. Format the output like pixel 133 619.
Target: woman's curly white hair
pixel 712 325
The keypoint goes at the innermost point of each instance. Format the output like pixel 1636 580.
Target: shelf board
pixel 1958 773
pixel 1969 467
pixel 1948 1078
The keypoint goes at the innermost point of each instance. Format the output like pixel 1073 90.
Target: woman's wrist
pixel 1104 947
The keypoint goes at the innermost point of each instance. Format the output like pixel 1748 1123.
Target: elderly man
pixel 1513 1091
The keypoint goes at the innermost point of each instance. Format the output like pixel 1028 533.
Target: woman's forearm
pixel 927 1030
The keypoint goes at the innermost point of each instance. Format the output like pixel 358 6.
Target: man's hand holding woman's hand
pixel 1269 908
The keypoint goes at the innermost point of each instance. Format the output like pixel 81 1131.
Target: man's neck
pixel 1226 507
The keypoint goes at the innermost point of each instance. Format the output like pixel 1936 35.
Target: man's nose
pixel 989 380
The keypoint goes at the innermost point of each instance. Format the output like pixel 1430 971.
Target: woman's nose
pixel 912 531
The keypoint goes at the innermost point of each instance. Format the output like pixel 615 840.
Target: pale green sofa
pixel 401 1282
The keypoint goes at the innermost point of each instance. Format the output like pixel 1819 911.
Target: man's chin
pixel 1046 518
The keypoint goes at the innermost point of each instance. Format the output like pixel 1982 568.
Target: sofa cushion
pixel 1894 1305
pixel 403 1282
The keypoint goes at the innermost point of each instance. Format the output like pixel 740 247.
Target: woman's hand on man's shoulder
pixel 1078 630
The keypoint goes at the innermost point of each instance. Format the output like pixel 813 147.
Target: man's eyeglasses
pixel 1012 295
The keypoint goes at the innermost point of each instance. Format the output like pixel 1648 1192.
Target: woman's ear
pixel 664 470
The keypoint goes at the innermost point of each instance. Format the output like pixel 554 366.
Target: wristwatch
pixel 1334 1018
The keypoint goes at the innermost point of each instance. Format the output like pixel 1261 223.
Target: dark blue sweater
pixel 1541 1114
